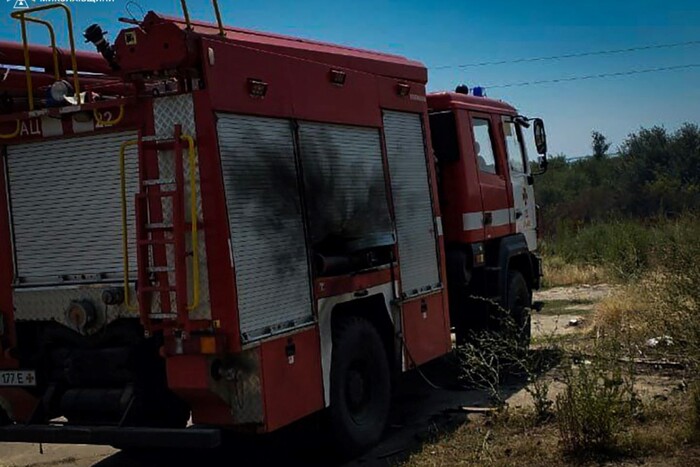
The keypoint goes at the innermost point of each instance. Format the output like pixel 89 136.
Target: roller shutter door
pixel 66 207
pixel 265 217
pixel 412 203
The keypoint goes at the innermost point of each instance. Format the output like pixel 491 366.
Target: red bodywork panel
pixel 166 46
pixel 425 328
pixel 291 377
pixel 6 273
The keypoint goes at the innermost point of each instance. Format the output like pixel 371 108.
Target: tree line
pixel 654 173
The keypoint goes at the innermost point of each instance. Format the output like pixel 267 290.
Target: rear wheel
pixel 4 418
pixel 360 386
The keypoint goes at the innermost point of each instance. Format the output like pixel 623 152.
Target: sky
pixel 450 33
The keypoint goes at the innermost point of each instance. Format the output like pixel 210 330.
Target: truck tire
pixel 360 392
pixel 4 418
pixel 519 301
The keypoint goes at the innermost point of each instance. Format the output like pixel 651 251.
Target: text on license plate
pixel 17 378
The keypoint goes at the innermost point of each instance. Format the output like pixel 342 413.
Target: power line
pixel 571 55
pixel 601 75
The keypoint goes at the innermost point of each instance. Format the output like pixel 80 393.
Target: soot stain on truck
pixel 271 205
pixel 346 198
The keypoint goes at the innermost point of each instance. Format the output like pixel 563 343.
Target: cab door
pixel 521 180
pixel 493 176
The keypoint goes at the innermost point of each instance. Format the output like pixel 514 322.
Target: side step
pixel 186 438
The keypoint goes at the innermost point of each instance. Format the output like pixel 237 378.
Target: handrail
pixel 218 18
pixel 194 222
pixel 11 135
pixel 125 230
pixel 217 13
pixel 27 70
pixel 186 12
pixel 52 36
pixel 20 15
pixel 98 118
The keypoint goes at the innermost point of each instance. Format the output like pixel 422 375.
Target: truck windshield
pixel 514 145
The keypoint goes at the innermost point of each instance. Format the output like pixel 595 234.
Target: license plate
pixel 17 378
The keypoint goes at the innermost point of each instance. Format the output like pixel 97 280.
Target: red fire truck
pixel 207 228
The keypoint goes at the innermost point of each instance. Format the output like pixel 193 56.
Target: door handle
pixel 518 214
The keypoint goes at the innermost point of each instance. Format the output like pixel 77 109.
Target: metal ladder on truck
pixel 161 244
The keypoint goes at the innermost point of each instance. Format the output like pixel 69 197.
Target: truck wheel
pixel 360 390
pixel 4 418
pixel 519 305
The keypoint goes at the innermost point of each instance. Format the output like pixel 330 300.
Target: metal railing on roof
pixel 23 18
pixel 217 12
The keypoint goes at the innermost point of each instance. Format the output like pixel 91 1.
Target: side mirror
pixel 540 137
pixel 541 143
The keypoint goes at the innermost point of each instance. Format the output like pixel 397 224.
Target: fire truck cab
pixel 488 205
pixel 239 229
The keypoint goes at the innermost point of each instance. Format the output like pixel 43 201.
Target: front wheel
pixel 519 301
pixel 360 390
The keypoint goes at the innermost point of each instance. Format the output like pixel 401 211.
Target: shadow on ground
pixel 420 413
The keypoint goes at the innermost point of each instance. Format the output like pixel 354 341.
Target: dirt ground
pixel 419 411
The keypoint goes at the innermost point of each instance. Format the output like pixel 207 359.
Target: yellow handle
pixel 125 230
pixel 52 36
pixel 11 135
pixel 193 219
pixel 98 117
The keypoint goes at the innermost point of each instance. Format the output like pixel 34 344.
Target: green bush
pixel 654 173
pixel 594 409
pixel 626 248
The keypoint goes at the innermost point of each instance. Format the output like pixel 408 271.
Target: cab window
pixel 516 157
pixel 483 145
pixel 443 130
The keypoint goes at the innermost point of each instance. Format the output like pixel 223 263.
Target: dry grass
pixel 658 305
pixel 661 431
pixel 660 436
pixel 620 310
pixel 493 441
pixel 696 411
pixel 559 273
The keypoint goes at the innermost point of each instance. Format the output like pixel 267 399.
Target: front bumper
pixel 137 437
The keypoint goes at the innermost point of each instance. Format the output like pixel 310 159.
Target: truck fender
pixel 329 307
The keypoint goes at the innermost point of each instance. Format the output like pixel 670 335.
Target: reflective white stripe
pixel 438 223
pixel 473 221
pixel 501 217
pixel 51 126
